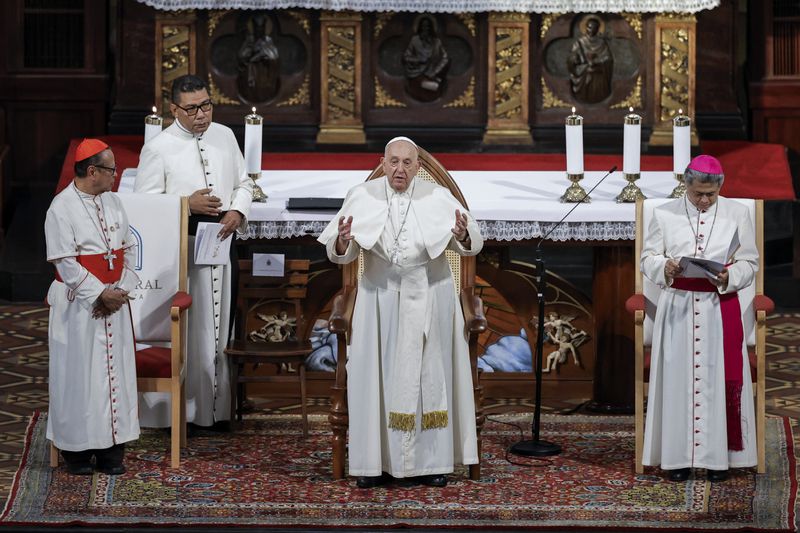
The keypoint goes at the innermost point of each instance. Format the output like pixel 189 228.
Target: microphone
pixel 537 447
pixel 579 202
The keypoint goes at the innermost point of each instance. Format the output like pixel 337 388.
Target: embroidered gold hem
pixel 401 421
pixel 406 422
pixel 434 420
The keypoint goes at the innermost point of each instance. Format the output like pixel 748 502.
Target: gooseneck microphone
pixel 537 447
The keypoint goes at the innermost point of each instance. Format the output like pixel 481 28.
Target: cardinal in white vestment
pixel 198 158
pixel 93 402
pixel 409 389
pixel 700 406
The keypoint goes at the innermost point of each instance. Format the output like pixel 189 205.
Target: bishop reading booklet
pixel 208 248
pixel 698 267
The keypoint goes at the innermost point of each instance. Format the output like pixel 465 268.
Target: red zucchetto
pixel 89 147
pixel 706 164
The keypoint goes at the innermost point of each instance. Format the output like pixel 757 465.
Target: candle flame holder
pixel 679 190
pixel 575 193
pixel 631 192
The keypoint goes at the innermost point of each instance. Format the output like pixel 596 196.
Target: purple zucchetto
pixel 706 164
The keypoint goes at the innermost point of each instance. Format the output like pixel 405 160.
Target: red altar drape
pixel 752 170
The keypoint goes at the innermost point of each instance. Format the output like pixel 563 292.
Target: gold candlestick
pixel 574 135
pixel 631 192
pixel 680 121
pixel 253 124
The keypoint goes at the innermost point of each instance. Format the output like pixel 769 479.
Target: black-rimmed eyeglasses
pixel 112 169
pixel 192 109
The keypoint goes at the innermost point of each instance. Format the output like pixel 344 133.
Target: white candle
pixel 253 126
pixel 681 142
pixel 152 125
pixel 632 145
pixel 574 129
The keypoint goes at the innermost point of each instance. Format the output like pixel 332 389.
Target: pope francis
pixel 410 396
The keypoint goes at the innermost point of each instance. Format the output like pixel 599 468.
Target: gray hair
pixel 691 175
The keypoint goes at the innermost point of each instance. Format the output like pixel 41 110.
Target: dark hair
pixel 188 83
pixel 82 167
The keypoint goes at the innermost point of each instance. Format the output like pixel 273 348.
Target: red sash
pixel 732 340
pixel 97 265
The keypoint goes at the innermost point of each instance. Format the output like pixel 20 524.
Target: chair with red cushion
pixel 754 304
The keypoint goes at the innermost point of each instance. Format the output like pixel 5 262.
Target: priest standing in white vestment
pixel 93 410
pixel 198 158
pixel 700 405
pixel 409 389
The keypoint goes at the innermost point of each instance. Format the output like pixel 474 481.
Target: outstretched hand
pixel 344 237
pixel 460 229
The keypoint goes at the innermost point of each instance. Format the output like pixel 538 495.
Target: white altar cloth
pixel 508 205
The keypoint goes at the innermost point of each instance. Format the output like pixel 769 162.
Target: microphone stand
pixel 537 447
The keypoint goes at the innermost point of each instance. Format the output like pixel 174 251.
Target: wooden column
pixel 340 83
pixel 614 280
pixel 675 63
pixel 176 54
pixel 508 82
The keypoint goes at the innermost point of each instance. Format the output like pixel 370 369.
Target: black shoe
pixel 717 475
pixel 78 463
pixel 109 460
pixel 680 474
pixel 370 482
pixel 437 480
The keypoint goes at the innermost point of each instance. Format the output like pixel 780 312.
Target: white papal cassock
pixel 409 358
pixel 686 416
pixel 178 162
pixel 92 361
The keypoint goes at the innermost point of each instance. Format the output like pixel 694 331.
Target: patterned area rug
pixel 266 474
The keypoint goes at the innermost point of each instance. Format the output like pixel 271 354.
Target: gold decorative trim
pixel 550 100
pixel 340 16
pixel 383 98
pixel 467 98
pixel 674 72
pixel 468 19
pixel 175 55
pixel 547 21
pixel 634 99
pixel 213 19
pixel 301 97
pixel 381 19
pixel 217 96
pixel 634 20
pixel 497 16
pixel 302 19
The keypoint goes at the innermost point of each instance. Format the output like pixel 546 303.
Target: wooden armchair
pixel 463 269
pixel 271 329
pixel 754 304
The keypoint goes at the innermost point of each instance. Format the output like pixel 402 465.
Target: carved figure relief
pixel 276 328
pixel 425 61
pixel 566 338
pixel 259 68
pixel 591 63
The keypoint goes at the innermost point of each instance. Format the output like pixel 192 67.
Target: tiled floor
pixel 23 379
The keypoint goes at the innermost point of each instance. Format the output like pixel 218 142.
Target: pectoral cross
pixel 110 256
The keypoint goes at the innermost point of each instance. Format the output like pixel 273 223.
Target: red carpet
pixel 266 474
pixel 752 170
